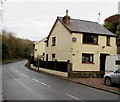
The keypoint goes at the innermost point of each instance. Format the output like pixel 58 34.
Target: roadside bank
pixel 11 60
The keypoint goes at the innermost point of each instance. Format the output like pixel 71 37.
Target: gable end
pixel 54 26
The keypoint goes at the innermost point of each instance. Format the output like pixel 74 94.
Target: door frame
pixel 102 58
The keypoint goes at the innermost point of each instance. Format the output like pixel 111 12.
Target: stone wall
pixel 86 74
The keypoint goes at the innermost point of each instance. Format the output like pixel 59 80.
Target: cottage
pixel 39 49
pixel 84 43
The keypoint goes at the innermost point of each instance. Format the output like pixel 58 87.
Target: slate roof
pixel 82 26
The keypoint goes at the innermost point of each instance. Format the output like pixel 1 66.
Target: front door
pixel 102 62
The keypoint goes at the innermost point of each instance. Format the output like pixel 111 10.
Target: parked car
pixel 113 77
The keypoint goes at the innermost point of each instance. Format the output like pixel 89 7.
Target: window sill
pixel 87 63
pixel 108 45
pixel 90 43
pixel 53 45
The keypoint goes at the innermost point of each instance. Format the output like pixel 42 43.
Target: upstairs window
pixel 87 58
pixel 46 41
pixel 108 41
pixel 53 41
pixel 90 39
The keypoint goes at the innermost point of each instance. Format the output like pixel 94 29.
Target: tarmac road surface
pixel 20 83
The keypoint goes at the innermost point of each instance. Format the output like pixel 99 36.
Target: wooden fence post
pixel 29 62
pixel 38 64
pixel 55 66
pixel 69 66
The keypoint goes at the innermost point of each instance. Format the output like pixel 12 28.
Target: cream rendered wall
pixel 79 48
pixel 40 46
pixel 62 50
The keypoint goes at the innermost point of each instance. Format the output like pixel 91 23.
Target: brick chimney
pixel 66 18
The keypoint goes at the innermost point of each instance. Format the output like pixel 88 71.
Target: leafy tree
pixel 118 30
pixel 112 23
pixel 13 47
pixel 110 26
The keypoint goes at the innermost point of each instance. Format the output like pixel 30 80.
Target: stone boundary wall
pixel 86 74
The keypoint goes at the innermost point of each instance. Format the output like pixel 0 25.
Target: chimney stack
pixel 66 12
pixel 66 18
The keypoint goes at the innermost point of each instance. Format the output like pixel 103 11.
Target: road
pixel 20 83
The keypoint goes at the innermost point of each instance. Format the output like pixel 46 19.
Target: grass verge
pixel 11 60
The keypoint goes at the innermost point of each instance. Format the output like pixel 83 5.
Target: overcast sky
pixel 33 19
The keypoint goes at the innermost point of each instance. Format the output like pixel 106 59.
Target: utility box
pixel 112 63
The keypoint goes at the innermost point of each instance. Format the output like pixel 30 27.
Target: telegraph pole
pixel 1 11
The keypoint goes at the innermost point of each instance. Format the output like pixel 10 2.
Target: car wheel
pixel 108 81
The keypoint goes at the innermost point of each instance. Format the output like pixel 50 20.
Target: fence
pixel 52 65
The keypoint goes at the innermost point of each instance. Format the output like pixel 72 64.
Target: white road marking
pixel 35 80
pixel 16 71
pixel 40 82
pixel 48 86
pixel 32 78
pixel 72 96
pixel 24 75
pixel 43 83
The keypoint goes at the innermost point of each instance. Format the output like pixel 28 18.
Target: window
pixel 43 56
pixel 108 41
pixel 117 71
pixel 46 41
pixel 46 57
pixel 53 57
pixel 117 62
pixel 90 38
pixel 87 58
pixel 53 41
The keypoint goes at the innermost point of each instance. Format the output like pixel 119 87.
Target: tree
pixel 112 23
pixel 13 47
pixel 110 26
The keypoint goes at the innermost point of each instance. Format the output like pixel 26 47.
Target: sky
pixel 33 19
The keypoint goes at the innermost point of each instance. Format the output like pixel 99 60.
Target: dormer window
pixel 53 41
pixel 90 39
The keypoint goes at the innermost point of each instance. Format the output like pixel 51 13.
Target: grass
pixel 11 60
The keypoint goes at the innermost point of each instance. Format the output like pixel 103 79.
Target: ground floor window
pixel 87 58
pixel 46 57
pixel 53 57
